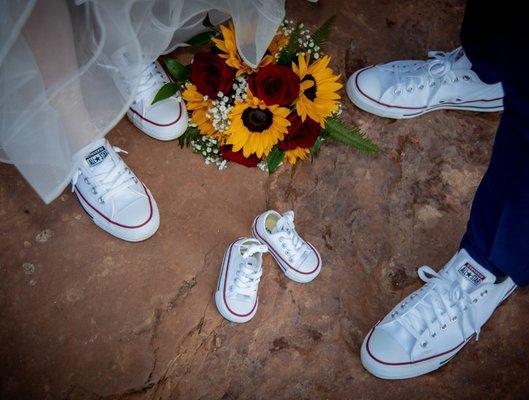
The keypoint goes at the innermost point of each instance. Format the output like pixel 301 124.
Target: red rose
pixel 237 156
pixel 275 84
pixel 300 134
pixel 210 74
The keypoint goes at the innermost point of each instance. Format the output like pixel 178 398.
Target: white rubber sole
pixel 219 298
pixel 385 371
pixel 127 234
pixel 287 270
pixel 372 107
pixel 177 130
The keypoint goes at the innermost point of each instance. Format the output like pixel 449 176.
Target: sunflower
pixel 279 41
pixel 292 156
pixel 196 103
pixel 255 127
pixel 228 46
pixel 317 92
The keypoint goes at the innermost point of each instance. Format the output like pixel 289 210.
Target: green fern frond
pixel 339 131
pixel 322 33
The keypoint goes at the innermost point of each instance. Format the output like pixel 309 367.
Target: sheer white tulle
pixel 68 70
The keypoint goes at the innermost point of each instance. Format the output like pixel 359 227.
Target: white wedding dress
pixel 63 64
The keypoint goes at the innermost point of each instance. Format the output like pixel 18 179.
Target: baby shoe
pixel 241 271
pixel 298 259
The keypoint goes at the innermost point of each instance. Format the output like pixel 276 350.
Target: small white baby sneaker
pixel 112 195
pixel 429 327
pixel 297 258
pixel 236 295
pixel 407 89
pixel 164 120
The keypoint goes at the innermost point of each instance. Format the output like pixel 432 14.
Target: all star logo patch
pixel 471 274
pixel 97 156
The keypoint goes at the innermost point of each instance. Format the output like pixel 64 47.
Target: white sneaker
pixel 112 195
pixel 241 271
pixel 425 330
pixel 164 120
pixel 297 258
pixel 407 89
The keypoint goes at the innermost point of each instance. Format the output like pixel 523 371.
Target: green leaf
pixel 191 133
pixel 316 147
pixel 288 54
pixel 274 159
pixel 166 91
pixel 178 71
pixel 202 38
pixel 337 130
pixel 322 33
pixel 207 22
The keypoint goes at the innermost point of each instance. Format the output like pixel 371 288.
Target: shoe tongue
pixel 282 223
pixel 461 61
pixel 468 272
pixel 250 250
pixel 99 159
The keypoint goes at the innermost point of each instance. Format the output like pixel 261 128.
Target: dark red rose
pixel 237 156
pixel 210 74
pixel 275 84
pixel 300 134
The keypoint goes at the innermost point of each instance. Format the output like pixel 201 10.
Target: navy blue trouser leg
pixel 497 234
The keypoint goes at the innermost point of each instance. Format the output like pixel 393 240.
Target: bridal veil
pixel 63 64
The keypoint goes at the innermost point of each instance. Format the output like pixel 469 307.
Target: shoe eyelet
pixel 409 90
pixel 455 80
pixel 424 343
pixel 85 179
pixel 397 92
pixel 454 318
pixel 443 327
pixel 433 334
pixel 420 87
pixel 291 259
pixel 475 301
pixel 466 77
pixel 465 308
pixel 135 180
pixel 94 191
pixel 432 84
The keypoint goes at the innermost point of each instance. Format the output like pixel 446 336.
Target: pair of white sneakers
pixel 111 194
pixel 242 266
pixel 427 329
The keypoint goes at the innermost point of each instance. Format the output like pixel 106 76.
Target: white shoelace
pixel 435 71
pixel 248 274
pixel 151 79
pixel 108 183
pixel 448 302
pixel 291 242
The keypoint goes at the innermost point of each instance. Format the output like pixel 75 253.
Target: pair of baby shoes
pixel 236 295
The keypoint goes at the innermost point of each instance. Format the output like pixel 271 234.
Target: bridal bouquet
pixel 281 110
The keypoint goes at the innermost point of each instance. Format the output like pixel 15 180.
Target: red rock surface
pixel 87 316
